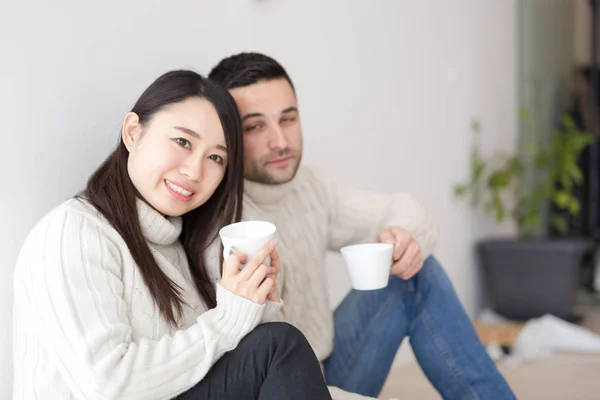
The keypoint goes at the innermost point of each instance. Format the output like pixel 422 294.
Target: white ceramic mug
pixel 368 264
pixel 247 237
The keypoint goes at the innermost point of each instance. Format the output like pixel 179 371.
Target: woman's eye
pixel 217 158
pixel 183 143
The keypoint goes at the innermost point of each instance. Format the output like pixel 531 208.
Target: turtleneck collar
pixel 156 227
pixel 262 193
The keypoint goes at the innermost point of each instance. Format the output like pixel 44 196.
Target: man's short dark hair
pixel 246 69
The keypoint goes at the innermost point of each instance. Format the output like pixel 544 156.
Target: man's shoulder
pixel 311 175
pixel 314 183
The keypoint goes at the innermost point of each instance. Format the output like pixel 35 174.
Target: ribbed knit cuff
pixel 235 315
pixel 271 312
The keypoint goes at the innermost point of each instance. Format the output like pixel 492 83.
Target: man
pixel 358 342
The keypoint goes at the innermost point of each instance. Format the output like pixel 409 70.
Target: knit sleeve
pixel 272 312
pixel 72 279
pixel 356 216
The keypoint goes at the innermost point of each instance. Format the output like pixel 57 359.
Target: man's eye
pixel 288 120
pixel 254 127
pixel 183 143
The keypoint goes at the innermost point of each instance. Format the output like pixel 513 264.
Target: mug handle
pixel 226 251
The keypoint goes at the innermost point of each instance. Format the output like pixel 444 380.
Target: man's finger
pixel 403 265
pixel 412 251
pixel 410 259
pixel 402 240
pixel 415 267
pixel 385 236
pixel 399 267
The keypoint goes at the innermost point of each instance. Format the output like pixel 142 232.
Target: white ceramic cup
pixel 368 264
pixel 247 237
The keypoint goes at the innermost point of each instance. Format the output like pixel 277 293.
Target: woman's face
pixel 178 158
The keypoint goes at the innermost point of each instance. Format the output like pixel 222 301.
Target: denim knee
pixel 434 272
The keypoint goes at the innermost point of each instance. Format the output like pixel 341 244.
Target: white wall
pixel 387 90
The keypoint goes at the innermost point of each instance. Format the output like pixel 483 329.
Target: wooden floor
pixel 558 377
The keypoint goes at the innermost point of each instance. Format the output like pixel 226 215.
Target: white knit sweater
pixel 84 323
pixel 86 327
pixel 314 215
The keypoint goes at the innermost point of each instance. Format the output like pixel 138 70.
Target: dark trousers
pixel 274 361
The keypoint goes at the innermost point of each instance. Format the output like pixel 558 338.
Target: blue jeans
pixel 370 326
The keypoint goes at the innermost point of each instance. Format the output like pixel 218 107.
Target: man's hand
pixel 407 257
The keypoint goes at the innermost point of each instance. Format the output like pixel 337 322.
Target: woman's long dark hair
pixel 111 191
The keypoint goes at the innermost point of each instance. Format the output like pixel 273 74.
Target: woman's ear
pixel 131 130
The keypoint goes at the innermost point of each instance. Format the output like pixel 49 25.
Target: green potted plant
pixel 530 275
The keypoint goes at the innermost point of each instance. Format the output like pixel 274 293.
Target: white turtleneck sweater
pixel 86 327
pixel 314 215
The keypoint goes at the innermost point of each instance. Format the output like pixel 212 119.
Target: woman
pixel 114 298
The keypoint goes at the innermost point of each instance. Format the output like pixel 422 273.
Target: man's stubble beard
pixel 258 173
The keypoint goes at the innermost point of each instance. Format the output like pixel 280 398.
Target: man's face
pixel 272 131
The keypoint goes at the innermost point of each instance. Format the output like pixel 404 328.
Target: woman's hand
pixel 256 281
pixel 275 263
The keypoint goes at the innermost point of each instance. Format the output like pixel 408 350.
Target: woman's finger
pixel 231 266
pixel 275 260
pixel 260 296
pixel 257 260
pixel 258 276
pixel 241 255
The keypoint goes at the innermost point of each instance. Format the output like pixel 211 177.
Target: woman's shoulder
pixel 77 208
pixel 66 231
pixel 74 214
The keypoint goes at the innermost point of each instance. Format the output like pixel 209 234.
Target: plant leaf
pixel 575 173
pixel 530 221
pixel 574 206
pixel 460 190
pixel 499 179
pixel 478 168
pixel 562 199
pixel 559 223
pixel 475 126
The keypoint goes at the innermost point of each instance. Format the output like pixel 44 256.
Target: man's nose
pixel 277 138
